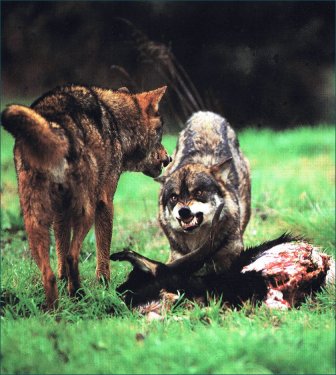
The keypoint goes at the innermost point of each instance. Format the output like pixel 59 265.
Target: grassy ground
pixel 293 189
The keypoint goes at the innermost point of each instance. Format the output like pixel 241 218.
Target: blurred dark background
pixel 257 63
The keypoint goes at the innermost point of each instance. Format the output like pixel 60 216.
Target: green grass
pixel 292 189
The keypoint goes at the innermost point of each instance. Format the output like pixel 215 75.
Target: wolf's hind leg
pixel 62 238
pixel 103 232
pixel 80 230
pixel 39 242
pixel 37 215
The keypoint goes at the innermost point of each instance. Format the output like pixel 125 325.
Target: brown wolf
pixel 71 146
pixel 208 170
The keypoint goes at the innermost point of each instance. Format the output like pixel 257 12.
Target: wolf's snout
pixel 185 213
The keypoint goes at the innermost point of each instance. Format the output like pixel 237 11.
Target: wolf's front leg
pixel 103 232
pixel 224 257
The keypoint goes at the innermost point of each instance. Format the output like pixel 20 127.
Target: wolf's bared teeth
pixel 194 221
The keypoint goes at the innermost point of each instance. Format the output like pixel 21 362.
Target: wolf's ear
pixel 222 169
pixel 157 96
pixel 124 89
pixel 151 99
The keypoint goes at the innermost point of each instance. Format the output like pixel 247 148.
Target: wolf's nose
pixel 184 212
pixel 167 161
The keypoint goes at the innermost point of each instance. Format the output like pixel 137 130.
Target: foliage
pixel 269 63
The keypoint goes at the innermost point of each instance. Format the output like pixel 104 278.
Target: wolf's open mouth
pixel 192 222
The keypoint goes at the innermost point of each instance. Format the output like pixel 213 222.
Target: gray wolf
pixel 208 170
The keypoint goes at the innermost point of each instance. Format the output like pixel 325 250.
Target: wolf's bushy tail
pixel 42 146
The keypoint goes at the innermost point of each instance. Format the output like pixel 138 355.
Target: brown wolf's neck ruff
pixel 133 138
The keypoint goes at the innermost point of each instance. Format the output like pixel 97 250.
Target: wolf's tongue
pixel 187 221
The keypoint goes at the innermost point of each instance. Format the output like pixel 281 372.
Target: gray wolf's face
pixel 190 198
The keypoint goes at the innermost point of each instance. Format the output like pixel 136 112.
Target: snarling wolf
pixel 71 145
pixel 208 170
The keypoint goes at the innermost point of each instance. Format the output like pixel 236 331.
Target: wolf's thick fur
pixel 208 169
pixel 71 146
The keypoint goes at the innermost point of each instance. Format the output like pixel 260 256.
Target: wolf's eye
pixel 173 198
pixel 199 193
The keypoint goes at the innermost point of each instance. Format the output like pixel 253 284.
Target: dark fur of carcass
pixel 149 277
